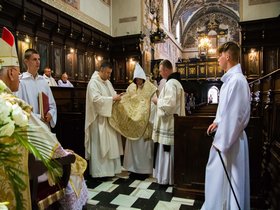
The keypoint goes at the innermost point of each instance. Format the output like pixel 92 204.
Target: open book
pixel 44 105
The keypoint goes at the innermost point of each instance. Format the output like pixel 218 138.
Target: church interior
pixel 76 36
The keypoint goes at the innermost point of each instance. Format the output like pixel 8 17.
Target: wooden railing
pixel 264 91
pixel 266 76
pixel 191 151
pixel 266 104
pixel 192 146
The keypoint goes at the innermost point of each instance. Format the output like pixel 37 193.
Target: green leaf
pixel 30 139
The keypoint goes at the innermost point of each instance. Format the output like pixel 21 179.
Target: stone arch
pixel 213 95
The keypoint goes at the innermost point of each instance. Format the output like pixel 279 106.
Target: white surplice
pixel 102 143
pixel 50 80
pixel 171 101
pixel 60 83
pixel 232 117
pixel 29 89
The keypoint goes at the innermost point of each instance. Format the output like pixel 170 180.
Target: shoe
pixel 102 179
pixel 132 175
pixel 143 176
pixel 163 186
pixel 137 176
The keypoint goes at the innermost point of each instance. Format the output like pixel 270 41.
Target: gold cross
pixel 1 61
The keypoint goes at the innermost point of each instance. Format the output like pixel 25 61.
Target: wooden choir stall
pixel 191 151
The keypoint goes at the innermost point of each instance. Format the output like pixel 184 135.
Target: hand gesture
pixel 212 128
pixel 117 97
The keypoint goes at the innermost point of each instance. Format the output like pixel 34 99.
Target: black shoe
pixel 163 186
pixel 132 175
pixel 143 176
pixel 137 176
pixel 102 179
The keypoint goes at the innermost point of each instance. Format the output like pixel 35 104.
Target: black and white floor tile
pixel 123 193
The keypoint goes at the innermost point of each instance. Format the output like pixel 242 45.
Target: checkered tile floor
pixel 123 193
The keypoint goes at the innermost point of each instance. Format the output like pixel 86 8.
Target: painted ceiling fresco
pixel 194 15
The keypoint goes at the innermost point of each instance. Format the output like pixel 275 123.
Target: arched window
pixel 166 15
pixel 213 95
pixel 178 34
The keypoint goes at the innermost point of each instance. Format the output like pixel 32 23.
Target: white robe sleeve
pixel 234 111
pixel 103 104
pixel 59 83
pixel 167 104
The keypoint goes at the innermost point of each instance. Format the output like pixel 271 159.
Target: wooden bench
pixel 191 151
pixel 42 194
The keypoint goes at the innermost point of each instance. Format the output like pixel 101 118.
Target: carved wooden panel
pixel 191 151
pixel 211 69
pixel 57 62
pixel 219 72
pixel 274 165
pixel 271 59
pixel 22 47
pixel 252 62
pixel 81 70
pixel 155 69
pixel 69 128
pixel 202 70
pixel 89 65
pixel 119 71
pixel 70 64
pixel 181 68
pixel 192 71
pixel 275 175
pixel 43 49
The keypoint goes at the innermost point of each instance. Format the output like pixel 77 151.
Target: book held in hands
pixel 44 106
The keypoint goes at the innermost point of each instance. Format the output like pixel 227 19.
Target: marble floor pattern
pixel 123 193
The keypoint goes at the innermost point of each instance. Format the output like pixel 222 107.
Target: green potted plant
pixel 17 138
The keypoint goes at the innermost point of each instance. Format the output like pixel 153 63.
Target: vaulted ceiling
pixel 194 15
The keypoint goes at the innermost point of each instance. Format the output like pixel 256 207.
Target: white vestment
pixel 102 143
pixel 29 89
pixel 50 80
pixel 60 83
pixel 171 101
pixel 138 156
pixel 133 118
pixel 161 84
pixel 232 117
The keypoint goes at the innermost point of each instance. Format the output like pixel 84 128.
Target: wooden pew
pixel 191 151
pixel 205 110
pixel 69 99
pixel 70 124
